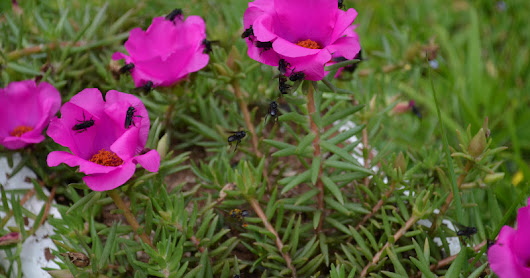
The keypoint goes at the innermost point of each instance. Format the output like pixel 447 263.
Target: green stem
pixel 115 195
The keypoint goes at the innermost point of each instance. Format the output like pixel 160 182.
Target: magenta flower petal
pixel 57 157
pixel 167 51
pixel 149 161
pixel 111 180
pixel 298 20
pixel 117 105
pixel 106 150
pixel 310 65
pixel 344 21
pixel 346 47
pixel 305 33
pixel 288 49
pixel 26 111
pixel 510 256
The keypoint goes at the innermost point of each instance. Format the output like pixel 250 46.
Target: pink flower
pixel 26 110
pixel 167 52
pixel 510 256
pixel 100 142
pixel 305 33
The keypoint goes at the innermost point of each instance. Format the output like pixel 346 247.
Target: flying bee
pixel 273 111
pixel 283 66
pixel 208 45
pixel 129 117
pixel 146 88
pixel 295 76
pixel 237 136
pixel 176 13
pixel 126 68
pixel 248 33
pixel 83 125
pixel 282 85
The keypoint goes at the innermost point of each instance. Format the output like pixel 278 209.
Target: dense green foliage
pixel 187 208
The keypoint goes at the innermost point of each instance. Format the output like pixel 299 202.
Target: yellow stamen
pixel 19 130
pixel 309 44
pixel 106 158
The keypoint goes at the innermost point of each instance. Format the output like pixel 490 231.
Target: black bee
pixel 466 231
pixel 282 85
pixel 264 45
pixel 146 88
pixel 283 66
pixel 273 111
pixel 247 33
pixel 208 45
pixel 237 136
pixel 341 4
pixel 176 13
pixel 83 125
pixel 295 76
pixel 129 117
pixel 126 68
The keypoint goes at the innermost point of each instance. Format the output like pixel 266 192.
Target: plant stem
pixel 246 115
pixel 244 107
pixel 255 205
pixel 412 220
pixel 316 153
pixel 448 260
pixel 128 215
pixel 366 153
pixel 26 197
pixel 449 198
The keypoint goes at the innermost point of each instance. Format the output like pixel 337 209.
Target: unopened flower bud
pixel 400 163
pixel 163 146
pixel 491 178
pixel 477 144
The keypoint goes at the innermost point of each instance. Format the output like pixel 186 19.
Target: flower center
pixel 309 44
pixel 19 130
pixel 106 158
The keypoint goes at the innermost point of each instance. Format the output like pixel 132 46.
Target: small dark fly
pixel 282 85
pixel 237 136
pixel 129 117
pixel 283 66
pixel 341 4
pixel 126 68
pixel 466 231
pixel 208 45
pixel 273 111
pixel 176 13
pixel 83 125
pixel 146 88
pixel 248 33
pixel 295 76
